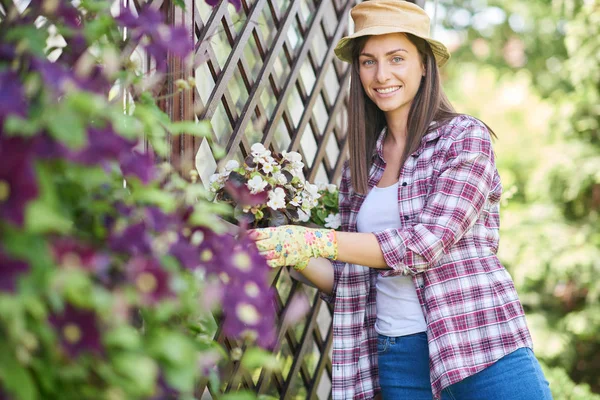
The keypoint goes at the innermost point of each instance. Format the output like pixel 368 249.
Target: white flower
pixel 231 165
pixel 258 150
pixel 276 199
pixel 312 190
pixel 256 184
pixel 217 181
pixel 296 201
pixel 280 178
pixel 333 221
pixel 331 188
pixel 267 168
pixel 303 216
pixel 321 185
pixel 292 156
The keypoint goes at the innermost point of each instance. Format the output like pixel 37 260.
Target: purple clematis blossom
pixel 134 240
pixel 150 279
pixel 10 271
pixel 70 253
pixel 236 3
pixel 104 144
pixel 18 183
pixel 187 254
pixel 141 165
pixel 12 96
pixel 78 331
pixel 163 38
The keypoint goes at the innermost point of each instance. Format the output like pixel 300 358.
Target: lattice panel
pixel 268 74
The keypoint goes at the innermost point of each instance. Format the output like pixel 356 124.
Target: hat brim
pixel 343 50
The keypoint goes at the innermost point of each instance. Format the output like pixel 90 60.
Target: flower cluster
pixel 326 212
pixel 97 241
pixel 269 189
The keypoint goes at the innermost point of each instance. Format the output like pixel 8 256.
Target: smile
pixel 388 90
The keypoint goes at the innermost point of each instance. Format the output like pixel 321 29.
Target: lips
pixel 387 90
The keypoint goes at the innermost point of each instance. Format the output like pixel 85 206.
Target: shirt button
pixel 421 286
pixel 406 217
pixel 404 184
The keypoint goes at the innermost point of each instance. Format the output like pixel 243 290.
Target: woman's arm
pixel 318 273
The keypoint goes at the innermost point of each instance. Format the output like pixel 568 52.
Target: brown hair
pixel 366 120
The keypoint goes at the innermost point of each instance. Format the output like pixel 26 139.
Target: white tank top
pixel 398 309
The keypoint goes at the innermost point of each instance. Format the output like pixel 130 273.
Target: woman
pixel 423 308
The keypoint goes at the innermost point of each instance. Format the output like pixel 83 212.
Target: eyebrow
pixel 387 54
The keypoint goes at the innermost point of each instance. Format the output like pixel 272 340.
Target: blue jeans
pixel 404 374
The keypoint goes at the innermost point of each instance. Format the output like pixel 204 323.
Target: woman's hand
pixel 295 245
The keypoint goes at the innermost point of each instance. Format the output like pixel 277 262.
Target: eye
pixel 397 59
pixel 368 62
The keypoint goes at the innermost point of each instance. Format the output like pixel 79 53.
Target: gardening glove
pixel 295 245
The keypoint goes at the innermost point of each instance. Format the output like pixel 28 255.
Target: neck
pixel 397 122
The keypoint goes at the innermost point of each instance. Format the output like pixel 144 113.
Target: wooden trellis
pixel 268 74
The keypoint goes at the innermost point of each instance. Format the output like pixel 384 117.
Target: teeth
pixel 388 90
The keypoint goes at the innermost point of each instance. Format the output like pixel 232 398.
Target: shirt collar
pixel 431 135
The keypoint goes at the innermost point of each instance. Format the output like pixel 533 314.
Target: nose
pixel 383 74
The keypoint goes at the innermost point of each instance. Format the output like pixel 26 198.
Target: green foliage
pixel 546 114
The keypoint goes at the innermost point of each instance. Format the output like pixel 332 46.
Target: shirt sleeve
pixel 344 209
pixel 455 202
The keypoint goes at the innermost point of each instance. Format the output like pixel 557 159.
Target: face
pixel 391 69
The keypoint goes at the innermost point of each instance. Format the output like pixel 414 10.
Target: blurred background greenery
pixel 531 70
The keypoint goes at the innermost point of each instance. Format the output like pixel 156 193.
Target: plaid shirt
pixel 448 199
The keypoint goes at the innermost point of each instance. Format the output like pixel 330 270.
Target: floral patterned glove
pixel 295 245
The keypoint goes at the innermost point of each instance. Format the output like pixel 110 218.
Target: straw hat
pixel 379 17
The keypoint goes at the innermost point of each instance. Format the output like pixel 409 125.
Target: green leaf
pixel 14 377
pixel 125 337
pixel 155 196
pixel 241 395
pixel 41 217
pixel 140 370
pixel 67 126
pixel 27 37
pixel 200 129
pixel 258 358
pixel 21 127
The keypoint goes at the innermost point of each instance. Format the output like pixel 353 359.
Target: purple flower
pixel 18 184
pixel 157 219
pixel 78 330
pixel 241 195
pixel 150 279
pixel 103 145
pixel 187 254
pixel 162 38
pixel 236 3
pixel 12 96
pixel 134 240
pixel 70 253
pixel 138 164
pixel 10 271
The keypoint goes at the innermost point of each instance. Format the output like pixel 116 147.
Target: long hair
pixel 366 120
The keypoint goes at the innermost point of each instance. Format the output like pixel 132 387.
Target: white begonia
pixel 333 221
pixel 256 184
pixel 303 216
pixel 321 185
pixel 312 190
pixel 292 156
pixel 258 150
pixel 276 199
pixel 280 178
pixel 231 165
pixel 331 188
pixel 217 181
pixel 268 168
pixel 296 201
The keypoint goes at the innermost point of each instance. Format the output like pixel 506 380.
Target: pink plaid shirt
pixel 448 199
